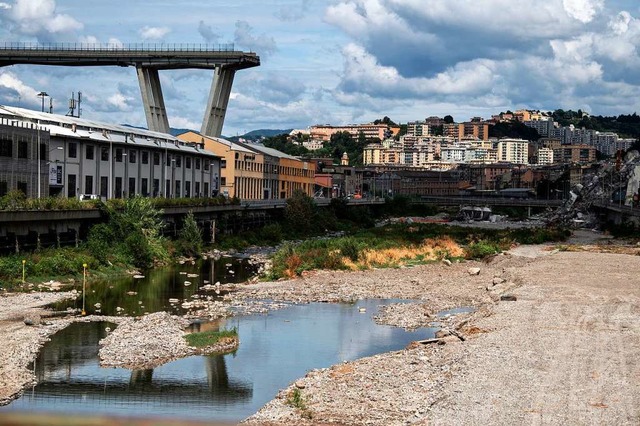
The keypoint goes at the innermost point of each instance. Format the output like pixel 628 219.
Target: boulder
pixel 474 271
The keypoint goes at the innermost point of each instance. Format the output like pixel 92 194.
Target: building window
pixel 223 181
pixel 187 189
pixel 132 156
pixel 23 149
pixel 167 188
pixel 119 156
pixel 197 193
pixel 187 162
pixel 3 188
pixel 169 159
pixel 197 164
pixel 132 187
pixel 223 164
pixel 6 148
pixel 145 187
pixel 206 165
pixel 118 187
pixel 104 186
pixel 88 184
pixel 44 149
pixel 156 187
pixel 73 150
pixel 89 152
pixel 156 159
pixel 178 189
pixel 22 187
pixel 145 157
pixel 206 189
pixel 71 186
pixel 178 161
pixel 104 153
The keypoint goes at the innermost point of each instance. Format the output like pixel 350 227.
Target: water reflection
pixel 275 349
pixel 152 293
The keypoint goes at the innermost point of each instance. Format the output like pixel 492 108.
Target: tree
pixel 448 119
pixel 300 214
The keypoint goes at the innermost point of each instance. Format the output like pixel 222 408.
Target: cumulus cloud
pixel 262 44
pixel 14 90
pixel 582 10
pixel 483 54
pixel 207 33
pixel 153 33
pixel 37 18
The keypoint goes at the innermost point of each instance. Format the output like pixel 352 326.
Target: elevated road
pixel 488 201
pixel 148 60
pixel 157 56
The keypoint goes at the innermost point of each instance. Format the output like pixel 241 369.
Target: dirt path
pixel 567 352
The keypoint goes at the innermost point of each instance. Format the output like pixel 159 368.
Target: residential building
pixel 545 156
pixel 513 151
pixel 371 132
pixel 575 154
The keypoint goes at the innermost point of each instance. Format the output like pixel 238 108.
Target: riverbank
pixel 566 351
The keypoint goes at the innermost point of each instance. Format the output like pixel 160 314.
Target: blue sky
pixel 343 61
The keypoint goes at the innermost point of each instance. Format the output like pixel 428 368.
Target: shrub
pixel 190 242
pixel 482 249
pixel 350 248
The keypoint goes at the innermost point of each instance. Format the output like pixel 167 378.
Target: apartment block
pixel 513 151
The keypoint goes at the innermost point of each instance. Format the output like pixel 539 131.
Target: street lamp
pixel 42 95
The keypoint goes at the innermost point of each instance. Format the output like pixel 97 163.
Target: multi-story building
pixel 48 154
pixel 471 129
pixel 418 129
pixel 251 171
pixel 545 156
pixel 544 126
pixel 575 154
pixel 513 151
pixel 239 168
pixel 370 131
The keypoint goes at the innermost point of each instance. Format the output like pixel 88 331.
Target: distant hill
pixel 256 135
pixel 253 135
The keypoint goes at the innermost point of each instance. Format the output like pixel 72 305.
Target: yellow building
pixel 241 169
pixel 370 131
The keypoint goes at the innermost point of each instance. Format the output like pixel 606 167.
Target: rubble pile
pixel 608 183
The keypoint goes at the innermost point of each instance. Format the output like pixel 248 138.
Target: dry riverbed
pixel 566 351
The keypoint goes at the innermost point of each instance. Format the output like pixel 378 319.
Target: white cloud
pixel 13 88
pixel 153 33
pixel 38 18
pixel 120 101
pixel 583 10
pixel 262 44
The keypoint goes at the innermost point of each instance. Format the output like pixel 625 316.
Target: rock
pixel 446 262
pixel 508 298
pixel 97 305
pixel 138 277
pixel 187 283
pixel 299 384
pixel 474 271
pixel 498 280
pixel 442 333
pixel 33 319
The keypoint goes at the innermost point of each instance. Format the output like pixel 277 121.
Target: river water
pixel 275 349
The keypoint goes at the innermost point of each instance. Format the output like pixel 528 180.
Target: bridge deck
pixel 160 56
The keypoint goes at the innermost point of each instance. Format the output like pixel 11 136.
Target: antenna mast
pixel 75 105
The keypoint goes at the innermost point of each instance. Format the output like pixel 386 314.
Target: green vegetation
pixel 295 400
pixel 513 129
pixel 209 338
pixel 190 242
pixel 402 244
pixel 16 200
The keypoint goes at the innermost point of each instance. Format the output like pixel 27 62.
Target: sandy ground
pixel 566 352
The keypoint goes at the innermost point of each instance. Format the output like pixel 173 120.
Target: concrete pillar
pixel 152 99
pixel 218 100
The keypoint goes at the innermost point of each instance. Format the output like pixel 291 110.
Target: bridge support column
pixel 152 99
pixel 218 100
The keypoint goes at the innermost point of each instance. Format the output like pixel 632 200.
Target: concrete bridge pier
pixel 152 99
pixel 218 101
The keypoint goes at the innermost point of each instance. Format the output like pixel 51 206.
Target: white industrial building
pixel 79 156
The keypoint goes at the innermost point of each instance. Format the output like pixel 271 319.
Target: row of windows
pixel 259 167
pixel 132 188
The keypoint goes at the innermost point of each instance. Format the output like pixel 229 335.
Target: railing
pixel 110 47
